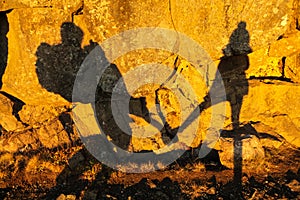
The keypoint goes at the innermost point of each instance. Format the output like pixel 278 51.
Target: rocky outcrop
pixel 266 22
pixel 207 23
pixel 250 149
pixel 24 38
pixel 270 103
pixel 7 120
pixel 255 46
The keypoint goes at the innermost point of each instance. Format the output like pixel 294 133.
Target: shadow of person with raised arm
pixel 58 66
pixel 4 28
pixel 232 69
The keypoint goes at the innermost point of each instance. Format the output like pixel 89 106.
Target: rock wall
pixel 44 42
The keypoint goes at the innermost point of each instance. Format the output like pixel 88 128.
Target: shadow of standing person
pixel 232 69
pixel 4 28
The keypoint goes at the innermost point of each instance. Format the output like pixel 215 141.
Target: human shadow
pixel 4 28
pixel 232 71
pixel 57 67
pixel 232 68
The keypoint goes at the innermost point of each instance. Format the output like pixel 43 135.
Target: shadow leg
pixel 236 104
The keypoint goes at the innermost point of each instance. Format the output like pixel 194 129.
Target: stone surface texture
pixel 255 44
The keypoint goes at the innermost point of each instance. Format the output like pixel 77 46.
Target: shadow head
pixel 71 34
pixel 242 25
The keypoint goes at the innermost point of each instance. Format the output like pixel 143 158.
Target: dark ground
pixel 279 178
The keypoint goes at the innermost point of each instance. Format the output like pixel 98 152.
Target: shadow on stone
pixel 17 106
pixel 3 44
pixel 57 65
pixel 232 71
